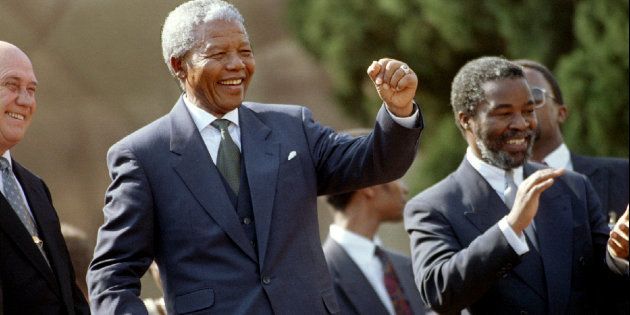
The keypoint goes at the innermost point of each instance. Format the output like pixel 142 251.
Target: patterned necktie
pixel 13 195
pixel 510 196
pixel 229 156
pixel 401 305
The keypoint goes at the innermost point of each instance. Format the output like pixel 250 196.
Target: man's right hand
pixel 528 197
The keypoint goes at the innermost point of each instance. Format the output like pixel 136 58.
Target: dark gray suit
pixel 27 284
pixel 355 293
pixel 609 177
pixel 168 202
pixel 462 260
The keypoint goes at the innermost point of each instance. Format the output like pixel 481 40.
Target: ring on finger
pixel 405 69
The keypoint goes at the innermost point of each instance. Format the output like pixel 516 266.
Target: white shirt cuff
pixel 621 264
pixel 518 243
pixel 407 122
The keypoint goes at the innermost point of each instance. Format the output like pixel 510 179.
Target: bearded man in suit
pixel 501 235
pixel 221 193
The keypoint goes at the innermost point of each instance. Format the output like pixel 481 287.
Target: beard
pixel 491 151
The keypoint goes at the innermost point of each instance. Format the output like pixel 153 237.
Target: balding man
pixel 36 274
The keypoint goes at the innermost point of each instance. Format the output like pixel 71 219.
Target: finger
pixel 373 71
pixel 538 188
pixel 397 76
pixel 617 249
pixel 390 69
pixel 381 79
pixel 541 176
pixel 408 81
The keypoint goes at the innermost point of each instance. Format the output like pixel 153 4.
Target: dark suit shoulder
pixel 439 195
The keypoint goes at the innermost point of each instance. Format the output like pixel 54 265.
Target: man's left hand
pixel 618 241
pixel 396 85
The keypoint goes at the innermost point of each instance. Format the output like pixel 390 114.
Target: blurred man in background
pixel 368 278
pixel 609 176
pixel 36 275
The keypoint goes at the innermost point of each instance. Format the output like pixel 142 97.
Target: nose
pixel 521 122
pixel 235 62
pixel 25 98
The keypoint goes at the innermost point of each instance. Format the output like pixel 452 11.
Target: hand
pixel 618 241
pixel 528 197
pixel 396 85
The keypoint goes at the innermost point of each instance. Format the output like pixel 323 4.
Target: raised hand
pixel 618 241
pixel 396 85
pixel 528 197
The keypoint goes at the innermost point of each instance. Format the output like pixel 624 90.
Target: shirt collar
pixel 203 119
pixel 559 158
pixel 493 175
pixel 7 155
pixel 358 247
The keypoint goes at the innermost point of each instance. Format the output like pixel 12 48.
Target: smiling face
pixel 502 131
pixel 217 72
pixel 17 95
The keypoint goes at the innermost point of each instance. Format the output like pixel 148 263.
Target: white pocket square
pixel 292 154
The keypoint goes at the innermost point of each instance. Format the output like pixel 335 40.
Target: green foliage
pixel 436 37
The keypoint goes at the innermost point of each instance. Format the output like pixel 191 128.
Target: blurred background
pixel 102 76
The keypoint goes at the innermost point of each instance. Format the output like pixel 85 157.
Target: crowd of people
pixel 218 198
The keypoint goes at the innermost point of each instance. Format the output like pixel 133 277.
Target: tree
pixel 436 37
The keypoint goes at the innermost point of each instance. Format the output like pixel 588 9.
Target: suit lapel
pixel 555 231
pixel 596 175
pixel 194 165
pixel 15 229
pixel 261 156
pixel 352 281
pixel 484 207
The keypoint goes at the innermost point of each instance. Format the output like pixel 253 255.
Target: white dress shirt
pixel 496 178
pixel 361 251
pixel 212 136
pixel 559 158
pixel 7 155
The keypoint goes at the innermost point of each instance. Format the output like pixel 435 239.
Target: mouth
pixel 15 115
pixel 231 82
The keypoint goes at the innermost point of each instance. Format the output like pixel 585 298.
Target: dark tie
pixel 14 197
pixel 229 156
pixel 401 305
pixel 510 196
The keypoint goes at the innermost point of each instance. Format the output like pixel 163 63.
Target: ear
pixel 464 120
pixel 563 113
pixel 179 67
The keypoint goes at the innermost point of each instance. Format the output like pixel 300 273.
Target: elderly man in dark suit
pixel 222 193
pixel 368 278
pixel 609 176
pixel 36 275
pixel 501 235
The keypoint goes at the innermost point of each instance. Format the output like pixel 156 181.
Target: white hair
pixel 178 32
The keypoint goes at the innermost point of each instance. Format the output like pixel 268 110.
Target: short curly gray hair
pixel 178 32
pixel 467 91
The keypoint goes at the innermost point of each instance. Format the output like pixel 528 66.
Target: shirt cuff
pixel 621 264
pixel 407 122
pixel 518 243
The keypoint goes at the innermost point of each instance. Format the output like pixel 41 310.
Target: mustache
pixel 510 134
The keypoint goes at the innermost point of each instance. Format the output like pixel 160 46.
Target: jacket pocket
pixel 194 301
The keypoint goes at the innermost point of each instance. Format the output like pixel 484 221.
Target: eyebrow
pixel 19 79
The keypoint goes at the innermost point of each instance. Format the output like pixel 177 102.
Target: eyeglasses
pixel 539 97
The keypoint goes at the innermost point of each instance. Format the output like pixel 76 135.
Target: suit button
pixel 266 280
pixel 247 220
pixel 582 260
pixel 505 275
pixel 253 243
pixel 524 313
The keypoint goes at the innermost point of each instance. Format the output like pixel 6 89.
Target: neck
pixel 542 148
pixel 358 221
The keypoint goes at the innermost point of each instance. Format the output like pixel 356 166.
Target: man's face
pixel 503 128
pixel 219 69
pixel 17 96
pixel 390 200
pixel 547 115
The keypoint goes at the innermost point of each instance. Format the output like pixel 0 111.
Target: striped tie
pixel 392 284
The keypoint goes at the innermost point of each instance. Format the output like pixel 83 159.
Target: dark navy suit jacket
pixel 27 284
pixel 609 177
pixel 462 260
pixel 355 293
pixel 167 202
